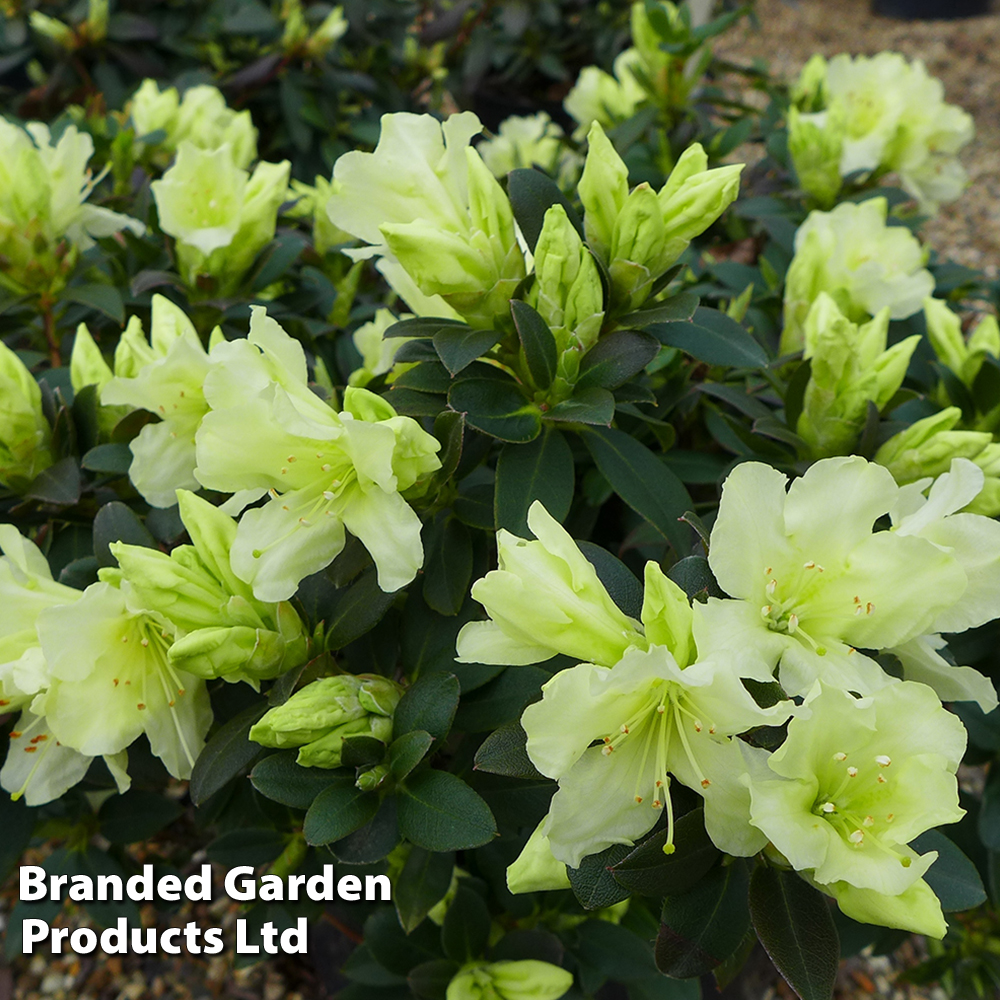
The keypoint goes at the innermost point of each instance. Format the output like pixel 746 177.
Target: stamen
pixel 852 772
pixel 868 821
pixel 857 837
pixel 881 779
pixel 883 760
pixel 828 807
pixel 840 756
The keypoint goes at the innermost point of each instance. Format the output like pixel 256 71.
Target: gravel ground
pixel 964 54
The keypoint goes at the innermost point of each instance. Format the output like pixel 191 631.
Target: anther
pixel 857 837
pixel 869 608
pixel 705 782
pixel 661 709
pixel 840 756
pixel 324 468
pixel 771 587
pixel 868 821
pixel 30 749
pixel 852 772
pixel 828 807
pixel 144 642
pixel 327 495
pixel 291 458
pixel 883 760
pixel 881 779
pixel 15 734
pixel 638 800
pixel 608 750
pixel 141 707
pixel 624 729
pixel 809 565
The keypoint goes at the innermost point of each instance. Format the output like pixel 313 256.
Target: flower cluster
pixel 869 760
pixel 874 115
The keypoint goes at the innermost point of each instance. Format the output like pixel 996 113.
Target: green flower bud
pixel 53 29
pixel 927 448
pixel 944 331
pixel 326 751
pixel 809 91
pixel 222 652
pixel 311 713
pixel 536 869
pixel 524 141
pixel 379 695
pixel 371 779
pixel 567 288
pixel 310 203
pixel 816 143
pixel 97 20
pixel 603 190
pixel 87 365
pixel 850 368
pixel 600 97
pixel 332 28
pixel 25 435
pixel 524 980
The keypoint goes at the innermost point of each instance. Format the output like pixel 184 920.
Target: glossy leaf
pixel 540 470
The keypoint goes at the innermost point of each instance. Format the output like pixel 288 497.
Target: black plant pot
pixel 930 10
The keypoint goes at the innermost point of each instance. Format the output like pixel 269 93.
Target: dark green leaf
pixel 615 951
pixel 430 980
pixel 540 470
pixel 373 841
pixel 500 701
pixel 17 822
pixel 649 871
pixel 362 751
pixel 422 883
pixel 103 298
pixel 393 948
pixel 989 811
pixel 497 408
pixel 281 779
pixel 504 752
pixel 114 459
pixel 362 967
pixel 984 728
pixel 713 337
pixel 338 810
pixel 593 884
pixel 678 308
pixel 466 926
pixel 246 847
pixel 226 755
pixel 537 342
pixel 448 567
pixel 116 522
pixel 438 811
pixel 795 926
pixel 407 751
pixel 277 257
pixel 694 576
pixel 421 326
pixel 953 877
pixel 619 581
pixel 458 348
pixel 531 195
pixel 58 484
pixel 428 376
pixel 702 927
pixel 474 506
pixel 642 481
pixel 615 358
pixel 136 815
pixel 357 610
pixel 591 405
pixel 429 706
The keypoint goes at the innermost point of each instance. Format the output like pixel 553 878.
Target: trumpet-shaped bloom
pixel 45 219
pixel 528 141
pixel 864 265
pixel 426 204
pixel 528 979
pixel 652 720
pixel 850 368
pixel 858 779
pixel 814 582
pixel 639 235
pixel 40 769
pixel 324 471
pixel 164 375
pixel 545 599
pixel 220 215
pixel 221 629
pixel 310 202
pixel 201 117
pixel 536 868
pixel 111 680
pixel 25 435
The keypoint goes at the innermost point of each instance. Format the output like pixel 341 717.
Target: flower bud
pixel 536 869
pixel 850 367
pixel 311 713
pixel 87 365
pixel 605 98
pixel 332 28
pixel 603 190
pixel 816 143
pixel 25 435
pixel 524 980
pixel 545 598
pixel 567 290
pixel 53 29
pixel 371 779
pixel 326 751
pixel 944 331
